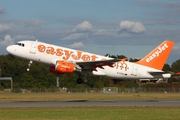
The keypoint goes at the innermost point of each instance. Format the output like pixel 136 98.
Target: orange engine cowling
pixel 62 67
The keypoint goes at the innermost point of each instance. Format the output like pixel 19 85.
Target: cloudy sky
pixel 117 27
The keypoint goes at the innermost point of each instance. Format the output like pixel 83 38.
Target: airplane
pixel 64 60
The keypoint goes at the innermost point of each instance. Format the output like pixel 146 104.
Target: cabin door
pixel 134 70
pixel 33 47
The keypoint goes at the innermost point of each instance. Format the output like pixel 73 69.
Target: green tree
pixel 175 67
pixel 166 67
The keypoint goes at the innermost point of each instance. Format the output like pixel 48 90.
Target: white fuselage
pixel 49 54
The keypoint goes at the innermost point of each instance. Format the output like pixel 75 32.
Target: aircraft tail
pixel 157 57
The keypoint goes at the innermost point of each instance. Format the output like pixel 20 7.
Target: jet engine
pixel 62 67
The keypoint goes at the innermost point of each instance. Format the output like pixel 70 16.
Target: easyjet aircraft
pixel 64 60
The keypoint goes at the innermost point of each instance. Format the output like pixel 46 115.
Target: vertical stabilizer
pixel 157 57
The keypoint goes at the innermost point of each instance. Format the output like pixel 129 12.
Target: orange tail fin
pixel 157 57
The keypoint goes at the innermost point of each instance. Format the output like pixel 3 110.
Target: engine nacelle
pixel 62 67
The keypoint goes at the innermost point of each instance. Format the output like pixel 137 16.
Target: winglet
pixel 157 57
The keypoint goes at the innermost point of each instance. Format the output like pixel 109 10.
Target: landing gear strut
pixel 29 65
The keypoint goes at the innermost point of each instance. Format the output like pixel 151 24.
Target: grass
pixel 9 96
pixel 105 113
pixel 89 113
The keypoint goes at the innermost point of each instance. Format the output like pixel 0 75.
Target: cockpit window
pixel 20 44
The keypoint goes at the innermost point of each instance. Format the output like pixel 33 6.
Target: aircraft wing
pixel 94 64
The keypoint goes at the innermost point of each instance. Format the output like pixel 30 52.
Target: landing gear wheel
pixel 85 80
pixel 79 81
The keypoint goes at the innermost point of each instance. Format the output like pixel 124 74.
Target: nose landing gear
pixel 29 65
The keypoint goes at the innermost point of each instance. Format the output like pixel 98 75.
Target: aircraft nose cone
pixel 9 49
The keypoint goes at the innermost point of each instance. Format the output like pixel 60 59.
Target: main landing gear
pixel 82 80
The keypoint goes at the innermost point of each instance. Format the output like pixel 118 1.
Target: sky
pixel 116 27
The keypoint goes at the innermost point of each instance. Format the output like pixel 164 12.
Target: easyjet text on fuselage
pixel 67 54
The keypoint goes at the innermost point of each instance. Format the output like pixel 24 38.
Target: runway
pixel 90 103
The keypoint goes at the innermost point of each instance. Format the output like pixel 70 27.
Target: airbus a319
pixel 64 60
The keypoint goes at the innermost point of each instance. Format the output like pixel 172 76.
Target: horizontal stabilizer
pixel 160 74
